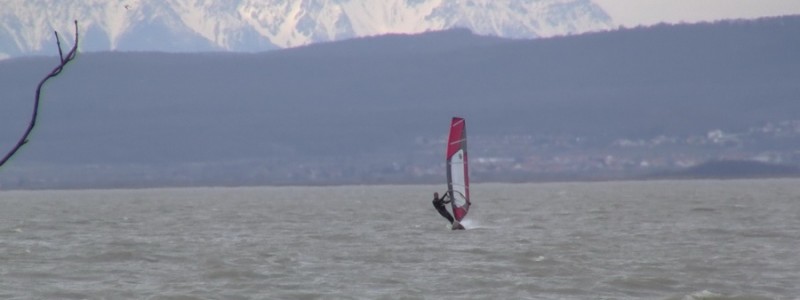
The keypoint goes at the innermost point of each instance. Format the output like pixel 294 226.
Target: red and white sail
pixel 457 168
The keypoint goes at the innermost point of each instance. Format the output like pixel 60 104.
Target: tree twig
pixel 57 70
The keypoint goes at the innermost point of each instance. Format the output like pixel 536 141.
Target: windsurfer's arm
pixel 447 195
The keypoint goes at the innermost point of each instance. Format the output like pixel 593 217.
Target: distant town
pixel 513 158
pixel 569 157
pixel 519 158
pixel 591 157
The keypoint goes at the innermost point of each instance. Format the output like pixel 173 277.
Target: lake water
pixel 704 239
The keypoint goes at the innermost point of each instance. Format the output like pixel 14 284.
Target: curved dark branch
pixel 64 61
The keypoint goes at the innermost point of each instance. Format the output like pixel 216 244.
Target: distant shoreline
pixel 712 170
pixel 731 169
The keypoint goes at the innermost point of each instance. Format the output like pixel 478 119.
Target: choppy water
pixel 612 240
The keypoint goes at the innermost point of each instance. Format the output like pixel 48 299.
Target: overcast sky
pixel 630 13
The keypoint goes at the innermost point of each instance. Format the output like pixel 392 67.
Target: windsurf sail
pixel 457 171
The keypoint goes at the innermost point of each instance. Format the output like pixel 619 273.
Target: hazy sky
pixel 630 13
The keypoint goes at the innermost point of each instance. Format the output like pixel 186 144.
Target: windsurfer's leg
pixel 446 214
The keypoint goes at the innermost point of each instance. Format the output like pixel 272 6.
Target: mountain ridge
pixel 259 25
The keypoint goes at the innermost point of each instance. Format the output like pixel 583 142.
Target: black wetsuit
pixel 439 205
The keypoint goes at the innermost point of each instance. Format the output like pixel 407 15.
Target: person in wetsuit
pixel 439 203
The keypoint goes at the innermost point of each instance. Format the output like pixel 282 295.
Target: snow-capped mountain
pixel 26 26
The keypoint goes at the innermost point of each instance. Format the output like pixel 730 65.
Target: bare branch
pixel 64 61
pixel 58 43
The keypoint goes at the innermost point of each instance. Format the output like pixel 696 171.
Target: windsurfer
pixel 439 203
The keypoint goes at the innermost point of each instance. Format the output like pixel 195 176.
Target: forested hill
pixel 375 96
